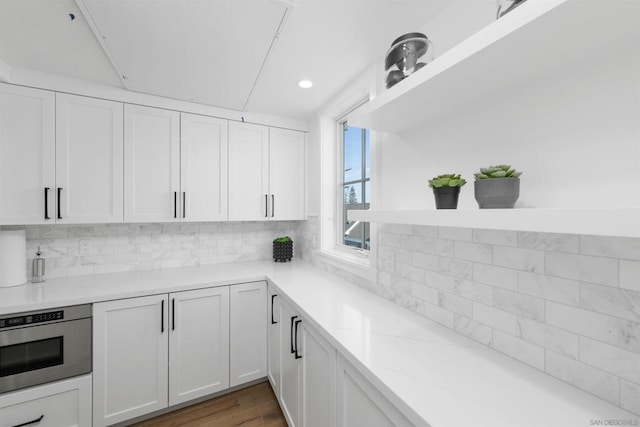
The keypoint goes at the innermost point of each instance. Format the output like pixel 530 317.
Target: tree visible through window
pixel 355 184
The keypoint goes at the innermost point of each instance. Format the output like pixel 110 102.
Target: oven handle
pixel 28 423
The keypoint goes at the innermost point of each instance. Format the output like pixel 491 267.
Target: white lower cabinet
pixel 273 340
pixel 198 343
pixel 130 358
pixel 248 332
pixel 308 366
pixel 64 403
pixel 158 351
pixel 359 403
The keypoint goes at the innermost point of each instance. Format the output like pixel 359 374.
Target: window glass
pixel 356 186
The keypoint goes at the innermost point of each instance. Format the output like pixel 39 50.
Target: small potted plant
pixel 282 249
pixel 446 189
pixel 497 187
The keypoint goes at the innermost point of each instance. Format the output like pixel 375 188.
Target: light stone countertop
pixel 437 377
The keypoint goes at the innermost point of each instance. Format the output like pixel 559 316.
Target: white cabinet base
pixel 64 403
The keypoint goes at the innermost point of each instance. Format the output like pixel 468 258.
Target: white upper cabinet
pixel 204 153
pixel 286 174
pixel 266 173
pixel 248 172
pixel 152 164
pixel 88 160
pixel 27 155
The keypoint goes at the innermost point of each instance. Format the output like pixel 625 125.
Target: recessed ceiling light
pixel 305 84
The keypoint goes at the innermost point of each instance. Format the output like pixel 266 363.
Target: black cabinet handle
pixel 273 205
pixel 273 322
pixel 28 423
pixel 295 333
pixel 175 204
pixel 291 333
pixel 173 311
pixel 184 203
pixel 162 317
pixel 266 206
pixel 59 204
pixel 46 202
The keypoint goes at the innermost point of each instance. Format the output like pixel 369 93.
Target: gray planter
pixel 495 193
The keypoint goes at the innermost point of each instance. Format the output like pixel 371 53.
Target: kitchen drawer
pixel 60 404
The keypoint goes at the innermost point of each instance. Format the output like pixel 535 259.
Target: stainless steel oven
pixel 37 347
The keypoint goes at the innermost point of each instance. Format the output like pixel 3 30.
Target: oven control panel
pixel 30 319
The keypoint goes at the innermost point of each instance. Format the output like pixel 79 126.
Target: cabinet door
pixel 360 403
pixel 151 164
pixel 88 160
pixel 204 154
pixel 27 155
pixel 248 332
pixel 64 403
pixel 130 358
pixel 248 172
pixel 273 342
pixel 318 365
pixel 290 368
pixel 286 174
pixel 198 343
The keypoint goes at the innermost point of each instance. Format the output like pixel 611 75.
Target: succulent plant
pixel 285 239
pixel 500 171
pixel 447 180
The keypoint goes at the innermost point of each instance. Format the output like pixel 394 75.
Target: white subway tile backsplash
pixel 455 303
pixel 410 272
pixel 629 336
pixel 477 252
pixel 594 325
pixel 439 281
pixel 425 261
pixel 615 247
pixel 424 231
pixel 474 291
pixel 495 237
pixel 425 293
pixel 630 275
pixel 622 363
pixel 630 396
pixel 528 353
pixel 455 268
pixel 495 276
pixel 583 376
pixel 473 329
pixel 612 301
pixel 549 241
pixel 520 259
pixel 495 318
pixel 455 233
pixel 519 304
pixel 550 288
pixel 549 337
pixel 438 314
pixel 586 268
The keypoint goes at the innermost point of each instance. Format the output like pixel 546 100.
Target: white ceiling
pixel 226 53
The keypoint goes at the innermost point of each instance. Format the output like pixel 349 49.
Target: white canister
pixel 13 258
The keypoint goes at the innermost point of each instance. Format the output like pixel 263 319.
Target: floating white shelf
pixel 538 40
pixel 604 222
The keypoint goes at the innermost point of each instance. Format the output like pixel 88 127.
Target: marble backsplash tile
pixel 73 250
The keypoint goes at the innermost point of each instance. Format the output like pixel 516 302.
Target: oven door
pixel 39 354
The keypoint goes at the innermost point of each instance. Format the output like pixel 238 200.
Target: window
pixel 354 186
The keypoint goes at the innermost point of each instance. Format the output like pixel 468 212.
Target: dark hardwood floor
pixel 252 406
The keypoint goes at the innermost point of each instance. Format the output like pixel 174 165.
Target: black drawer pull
pixel 59 202
pixel 173 310
pixel 46 202
pixel 291 334
pixel 162 317
pixel 28 423
pixel 266 206
pixel 298 356
pixel 273 322
pixel 175 204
